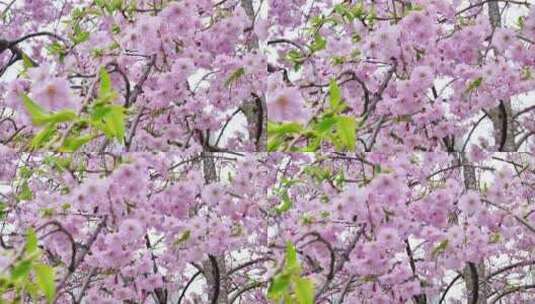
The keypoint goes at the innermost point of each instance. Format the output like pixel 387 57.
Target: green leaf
pixel 495 238
pixel 274 143
pixel 44 277
pixel 377 169
pixel 304 291
pixel 440 248
pixel 109 119
pixel 2 210
pixel 41 117
pixel 347 129
pixel 26 61
pixel 73 143
pixel 313 144
pixel 105 82
pixel 235 76
pixel 31 242
pixel 520 21
pixel 286 203
pixel 115 122
pixel 318 44
pixel 55 48
pixel 80 37
pixel 358 10
pixel 278 133
pixel 292 263
pixel 335 95
pixel 279 287
pixel 25 193
pixel 526 73
pixel 61 116
pixel 325 125
pixel 43 136
pixel 38 115
pixel 474 85
pixel 295 57
pixel 284 129
pixel 21 270
pixel 183 238
pixel 99 111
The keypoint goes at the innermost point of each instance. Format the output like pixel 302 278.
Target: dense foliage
pixel 374 229
pixel 267 151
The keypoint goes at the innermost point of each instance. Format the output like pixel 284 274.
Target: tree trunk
pixel 501 116
pixel 255 109
pixel 215 270
pixel 477 293
pixel 504 138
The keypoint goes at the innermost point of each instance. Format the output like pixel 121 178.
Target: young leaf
pixel 286 203
pixel 304 291
pixel 37 113
pixel 109 119
pixel 115 122
pixel 43 136
pixel 335 95
pixel 440 248
pixel 284 129
pixel 292 264
pixel 274 143
pixel 80 37
pixel 27 62
pixel 318 44
pixel 105 82
pixel 2 210
pixel 25 193
pixel 474 85
pixel 31 242
pixel 347 129
pixel 44 277
pixel 235 76
pixel 21 270
pixel 279 287
pixel 61 116
pixel 325 125
pixel 41 117
pixel 72 144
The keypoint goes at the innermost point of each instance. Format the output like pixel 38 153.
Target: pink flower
pixel 261 29
pixel 14 91
pixel 287 104
pixel 183 68
pixel 529 25
pixel 213 193
pixel 53 94
pixel 147 30
pixel 470 202
pixel 476 154
pixel 419 26
pixel 39 74
pixel 388 237
pixel 503 38
pixel 131 228
pixel 422 77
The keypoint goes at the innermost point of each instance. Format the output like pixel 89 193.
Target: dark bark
pixel 501 116
pixel 472 272
pixel 214 267
pixel 255 108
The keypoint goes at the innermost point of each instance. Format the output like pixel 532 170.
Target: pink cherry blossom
pixel 470 202
pixel 53 94
pixel 131 229
pixel 287 104
pixel 186 148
